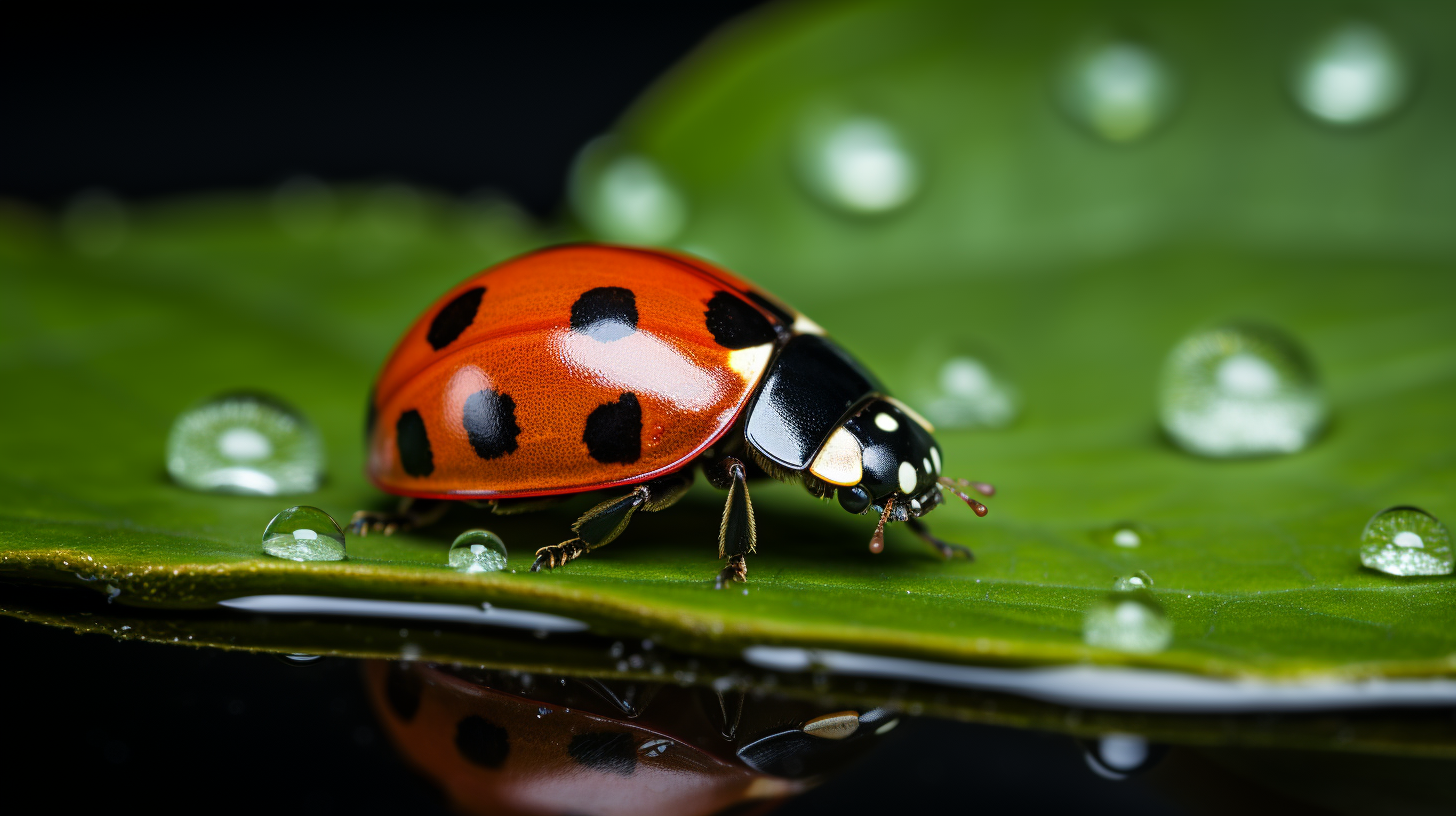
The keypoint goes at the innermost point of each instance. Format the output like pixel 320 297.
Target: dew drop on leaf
pixel 304 534
pixel 1129 622
pixel 857 164
pixel 1240 390
pixel 1352 74
pixel 1130 583
pixel 624 196
pixel 478 551
pixel 968 394
pixel 1118 89
pixel 245 443
pixel 1406 541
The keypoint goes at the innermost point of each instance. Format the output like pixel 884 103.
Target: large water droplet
pixel 1351 75
pixel 1128 622
pixel 96 223
pixel 1406 541
pixel 1131 583
pixel 1118 756
pixel 967 393
pixel 857 164
pixel 478 551
pixel 304 534
pixel 245 443
pixel 1240 390
pixel 1118 88
pixel 625 196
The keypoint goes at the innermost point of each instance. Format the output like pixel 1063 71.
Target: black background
pixel 153 101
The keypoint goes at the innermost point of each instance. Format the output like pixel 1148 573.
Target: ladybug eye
pixel 854 499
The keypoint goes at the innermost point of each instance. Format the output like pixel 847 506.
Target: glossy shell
pixel 569 369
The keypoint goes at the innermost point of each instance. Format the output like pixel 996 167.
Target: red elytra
pixel 524 340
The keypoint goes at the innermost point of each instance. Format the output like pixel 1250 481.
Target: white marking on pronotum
pixel 840 462
pixel 907 478
pixel 804 325
pixel 935 458
pixel 886 423
pixel 926 464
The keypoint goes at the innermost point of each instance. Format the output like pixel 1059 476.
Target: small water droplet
pixel 624 196
pixel 1240 390
pixel 1406 541
pixel 245 443
pixel 304 534
pixel 654 748
pixel 299 658
pixel 1118 88
pixel 1126 534
pixel 478 551
pixel 1118 756
pixel 1129 583
pixel 1128 622
pixel 1352 74
pixel 966 392
pixel 96 223
pixel 857 163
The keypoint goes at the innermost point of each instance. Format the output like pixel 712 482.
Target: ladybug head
pixel 884 457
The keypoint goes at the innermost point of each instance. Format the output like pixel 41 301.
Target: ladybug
pixel 502 743
pixel 592 367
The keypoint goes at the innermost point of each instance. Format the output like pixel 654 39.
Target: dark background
pixel 151 102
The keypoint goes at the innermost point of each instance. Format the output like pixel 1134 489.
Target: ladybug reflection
pixel 586 368
pixel 540 744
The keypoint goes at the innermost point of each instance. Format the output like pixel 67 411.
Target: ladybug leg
pixel 412 513
pixel 737 536
pixel 598 526
pixel 947 549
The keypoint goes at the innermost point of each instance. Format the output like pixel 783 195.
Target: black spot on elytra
pixel 402 690
pixel 608 751
pixel 614 431
pixel 605 313
pixel 482 742
pixel 455 318
pixel 736 325
pixel 490 422
pixel 774 308
pixel 413 442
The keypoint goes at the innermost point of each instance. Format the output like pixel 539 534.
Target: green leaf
pixel 1077 264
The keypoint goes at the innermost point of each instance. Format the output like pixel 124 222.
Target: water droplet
pixel 1123 534
pixel 1118 88
pixel 1406 541
pixel 304 534
pixel 245 443
pixel 970 395
pixel 96 223
pixel 1352 74
pixel 625 196
pixel 1118 756
pixel 299 658
pixel 857 163
pixel 654 748
pixel 478 551
pixel 1128 622
pixel 1129 583
pixel 1240 390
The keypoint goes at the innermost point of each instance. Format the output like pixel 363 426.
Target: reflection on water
pixel 512 742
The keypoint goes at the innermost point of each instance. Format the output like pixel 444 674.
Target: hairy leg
pixel 598 526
